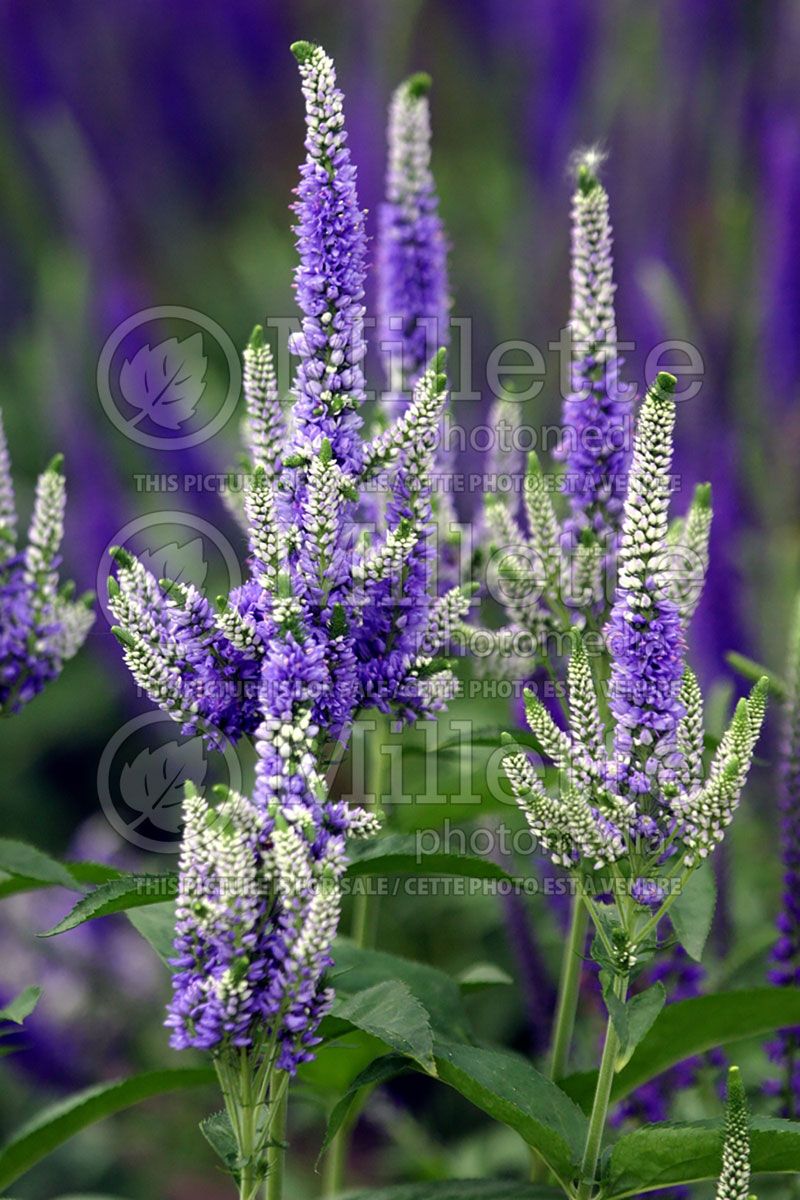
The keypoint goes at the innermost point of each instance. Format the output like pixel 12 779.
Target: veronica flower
pixel 734 1182
pixel 638 790
pixel 326 625
pixel 413 298
pixel 40 625
pixel 596 413
pixel 785 972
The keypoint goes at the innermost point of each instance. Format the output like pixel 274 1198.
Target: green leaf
pixel 21 1006
pixel 749 669
pixel 461 1189
pixel 61 1121
pixel 379 1071
pixel 218 1132
pixel 642 1011
pixel 390 1012
pixel 28 863
pixel 356 970
pixel 693 1027
pixel 693 911
pixel 659 1156
pixel 483 975
pixel 509 1089
pixel 156 924
pixel 117 895
pixel 399 854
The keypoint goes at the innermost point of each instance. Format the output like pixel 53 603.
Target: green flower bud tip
pixel 257 339
pixel 221 791
pixel 325 451
pixel 471 589
pixel 221 603
pixel 189 790
pixel 56 464
pixel 666 382
pixel 587 180
pixel 113 587
pixel 302 50
pixel 87 599
pixel 506 739
pixel 439 361
pixel 67 591
pixel 121 556
pixel 419 85
pixel 702 495
pixel 122 636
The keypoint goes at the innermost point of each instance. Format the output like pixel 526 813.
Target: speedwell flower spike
pixel 413 297
pixel 734 1182
pixel 640 782
pixel 597 416
pixel 323 628
pixel 41 626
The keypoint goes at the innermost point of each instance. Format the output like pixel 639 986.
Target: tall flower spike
pixel 329 281
pixel 8 512
pixel 734 1182
pixel 707 811
pixel 40 626
pixel 597 416
pixel 413 298
pixel 644 633
pixel 690 553
pixel 784 1050
pixel 263 428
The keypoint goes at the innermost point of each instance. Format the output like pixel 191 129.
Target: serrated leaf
pixel 156 924
pixel 390 1012
pixel 461 1189
pixel 218 1132
pixel 509 1089
pixel 398 854
pixel 61 1121
pixel 118 895
pixel 153 784
pixel 165 382
pixel 693 911
pixel 179 562
pixel 21 1006
pixel 641 1012
pixel 20 859
pixel 693 1027
pixel 379 1071
pixel 661 1156
pixel 357 969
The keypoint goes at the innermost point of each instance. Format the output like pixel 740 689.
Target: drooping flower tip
pixel 56 464
pixel 121 556
pixel 257 338
pixel 418 85
pixel 303 51
pixel 585 166
pixel 666 382
pixel 702 496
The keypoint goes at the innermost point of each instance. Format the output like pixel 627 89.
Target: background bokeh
pixel 148 152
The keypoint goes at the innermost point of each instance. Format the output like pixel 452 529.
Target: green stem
pixel 276 1152
pixel 248 1179
pixel 364 932
pixel 335 1165
pixel 568 988
pixel 602 1098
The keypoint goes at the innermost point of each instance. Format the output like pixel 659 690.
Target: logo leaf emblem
pixel 165 382
pixel 152 785
pixel 180 563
